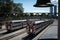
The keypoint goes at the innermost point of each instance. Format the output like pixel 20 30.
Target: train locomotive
pixel 37 26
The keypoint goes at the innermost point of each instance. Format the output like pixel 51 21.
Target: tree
pixel 43 14
pixel 6 8
pixel 18 10
pixel 37 14
pixel 18 7
pixel 26 14
pixel 31 14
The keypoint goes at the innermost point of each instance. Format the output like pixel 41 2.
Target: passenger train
pixel 37 26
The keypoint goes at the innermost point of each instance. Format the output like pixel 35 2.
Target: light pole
pixel 55 11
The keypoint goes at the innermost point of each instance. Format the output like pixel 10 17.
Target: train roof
pixel 36 22
pixel 18 20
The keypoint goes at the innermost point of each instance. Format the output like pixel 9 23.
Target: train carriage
pixel 37 26
pixel 15 24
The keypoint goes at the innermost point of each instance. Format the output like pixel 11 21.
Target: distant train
pixel 37 26
pixel 15 24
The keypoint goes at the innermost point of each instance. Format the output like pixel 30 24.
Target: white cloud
pixel 37 11
pixel 54 0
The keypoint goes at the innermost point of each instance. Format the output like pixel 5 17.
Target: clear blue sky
pixel 28 5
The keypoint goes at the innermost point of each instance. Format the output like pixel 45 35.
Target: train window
pixel 18 23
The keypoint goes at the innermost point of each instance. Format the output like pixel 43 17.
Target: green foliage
pixel 37 14
pixel 18 10
pixel 43 14
pixel 26 14
pixel 8 10
pixel 18 7
pixel 31 14
pixel 5 9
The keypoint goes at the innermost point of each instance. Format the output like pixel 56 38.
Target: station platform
pixel 51 32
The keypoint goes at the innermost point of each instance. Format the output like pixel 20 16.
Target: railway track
pixel 4 32
pixel 14 34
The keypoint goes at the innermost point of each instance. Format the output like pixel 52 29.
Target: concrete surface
pixel 50 32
